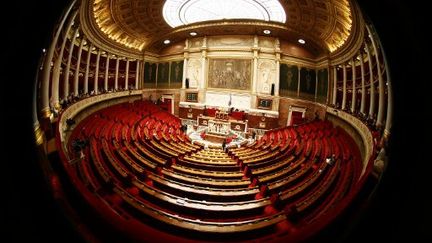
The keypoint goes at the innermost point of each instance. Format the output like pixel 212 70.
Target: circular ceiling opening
pixel 184 12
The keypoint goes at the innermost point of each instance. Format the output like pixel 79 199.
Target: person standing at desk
pixel 224 145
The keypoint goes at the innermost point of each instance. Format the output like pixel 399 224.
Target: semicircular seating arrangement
pixel 143 174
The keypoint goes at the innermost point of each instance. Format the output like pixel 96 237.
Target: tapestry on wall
pixel 288 80
pixel 322 86
pixel 176 74
pixel 307 83
pixel 150 75
pixel 163 75
pixel 229 74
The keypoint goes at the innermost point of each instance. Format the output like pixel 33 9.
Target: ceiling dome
pixel 142 25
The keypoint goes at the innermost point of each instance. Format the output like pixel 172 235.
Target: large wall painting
pixel 229 74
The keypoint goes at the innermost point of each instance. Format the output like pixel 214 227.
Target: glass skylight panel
pixel 183 12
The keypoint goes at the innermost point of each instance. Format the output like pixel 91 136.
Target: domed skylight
pixel 183 12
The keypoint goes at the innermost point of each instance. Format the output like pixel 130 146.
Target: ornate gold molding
pixel 355 40
pixel 99 39
pixel 57 106
pixel 39 135
pixel 45 112
pixel 386 134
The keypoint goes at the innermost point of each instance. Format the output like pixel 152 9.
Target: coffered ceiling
pixel 139 24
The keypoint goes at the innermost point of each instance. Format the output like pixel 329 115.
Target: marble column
pixel 255 50
pixel 381 85
pixel 276 91
pixel 278 57
pixel 203 63
pixel 127 75
pixel 86 76
pixel 389 118
pixel 106 71
pixel 185 69
pixel 116 73
pixel 334 86
pixel 344 88
pixel 142 74
pixel 96 74
pixel 316 84
pixel 255 72
pixel 77 70
pixel 137 73
pixel 66 75
pixel 354 90
pixel 363 86
pixel 371 83
pixel 298 81
pixel 58 63
pixel 46 72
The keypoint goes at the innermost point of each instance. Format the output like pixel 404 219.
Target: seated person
pixel 70 122
pixel 205 111
pixel 331 160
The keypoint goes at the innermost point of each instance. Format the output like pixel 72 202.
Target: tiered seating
pixel 141 166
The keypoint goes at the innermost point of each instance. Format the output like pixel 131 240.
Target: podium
pixel 218 127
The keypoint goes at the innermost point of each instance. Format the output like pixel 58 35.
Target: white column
pixel 116 73
pixel 66 73
pixel 142 74
pixel 185 68
pixel 185 63
pixel 127 75
pixel 96 74
pixel 86 76
pixel 106 72
pixel 203 63
pixel 203 68
pixel 363 88
pixel 276 92
pixel 381 88
pixel 58 62
pixel 255 72
pixel 334 85
pixel 328 85
pixel 45 104
pixel 156 75
pixel 255 65
pixel 389 118
pixel 298 81
pixel 354 91
pixel 169 74
pixel 371 82
pixel 76 76
pixel 316 84
pixel 36 125
pixel 344 87
pixel 277 52
pixel 137 73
